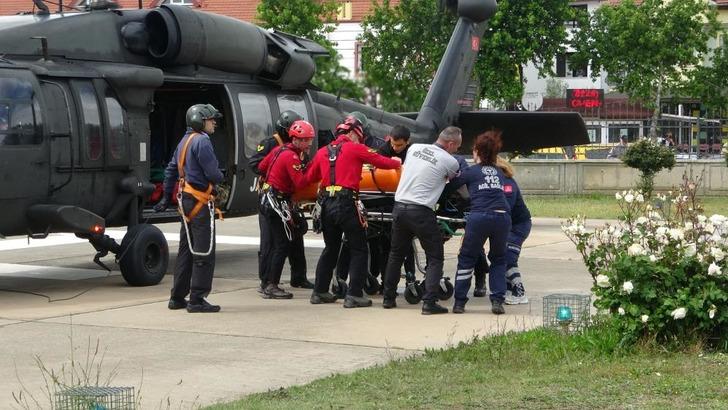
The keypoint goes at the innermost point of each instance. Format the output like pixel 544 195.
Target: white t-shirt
pixel 426 170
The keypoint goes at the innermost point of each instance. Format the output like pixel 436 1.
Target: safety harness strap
pixel 333 151
pixel 278 138
pixel 272 163
pixel 183 155
pixel 202 197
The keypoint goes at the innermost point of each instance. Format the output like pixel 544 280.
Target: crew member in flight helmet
pixel 296 256
pixel 370 140
pixel 283 173
pixel 338 166
pixel 195 167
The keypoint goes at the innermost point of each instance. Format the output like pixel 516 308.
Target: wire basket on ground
pixel 566 311
pixel 95 398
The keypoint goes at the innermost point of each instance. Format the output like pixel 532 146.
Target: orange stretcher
pixel 372 180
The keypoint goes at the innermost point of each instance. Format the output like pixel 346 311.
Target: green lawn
pixel 535 369
pixel 598 206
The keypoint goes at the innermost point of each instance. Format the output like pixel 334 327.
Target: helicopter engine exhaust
pixel 180 36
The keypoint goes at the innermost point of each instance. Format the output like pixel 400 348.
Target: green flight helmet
pixel 285 120
pixel 361 118
pixel 198 113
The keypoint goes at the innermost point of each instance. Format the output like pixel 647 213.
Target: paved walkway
pixel 253 344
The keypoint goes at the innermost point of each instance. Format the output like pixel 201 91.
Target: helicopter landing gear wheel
pixel 372 285
pixel 413 293
pixel 445 290
pixel 339 288
pixel 144 255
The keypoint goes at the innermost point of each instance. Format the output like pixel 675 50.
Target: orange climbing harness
pixel 202 197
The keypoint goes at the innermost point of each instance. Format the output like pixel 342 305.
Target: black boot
pixel 273 291
pixel 389 303
pixel 319 298
pixel 356 301
pixel 176 304
pixel 431 307
pixel 497 307
pixel 202 306
pixel 459 306
pixel 301 283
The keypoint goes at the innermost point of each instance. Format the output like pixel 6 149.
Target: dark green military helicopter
pixel 94 104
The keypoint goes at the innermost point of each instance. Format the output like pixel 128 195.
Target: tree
pixel 648 50
pixel 555 88
pixel 710 82
pixel 312 19
pixel 403 46
pixel 649 158
pixel 519 33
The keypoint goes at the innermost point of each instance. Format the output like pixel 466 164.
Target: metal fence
pixel 694 136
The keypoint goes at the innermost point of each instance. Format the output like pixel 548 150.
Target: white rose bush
pixel 662 270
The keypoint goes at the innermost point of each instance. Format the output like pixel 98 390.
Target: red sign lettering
pixel 584 98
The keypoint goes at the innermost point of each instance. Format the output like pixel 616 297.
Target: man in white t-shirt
pixel 429 167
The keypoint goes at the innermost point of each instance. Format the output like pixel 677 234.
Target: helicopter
pixel 94 104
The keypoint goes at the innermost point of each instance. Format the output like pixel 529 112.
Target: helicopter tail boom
pixel 440 108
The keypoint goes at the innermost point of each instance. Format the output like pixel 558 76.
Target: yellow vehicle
pixel 587 151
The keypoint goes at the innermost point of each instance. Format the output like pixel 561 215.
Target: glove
pixel 162 205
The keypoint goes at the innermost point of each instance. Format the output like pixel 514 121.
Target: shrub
pixel 649 158
pixel 662 270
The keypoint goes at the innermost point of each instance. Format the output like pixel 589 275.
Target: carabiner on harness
pixel 211 207
pixel 283 209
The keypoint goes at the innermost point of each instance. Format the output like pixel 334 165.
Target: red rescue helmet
pixel 350 124
pixel 301 129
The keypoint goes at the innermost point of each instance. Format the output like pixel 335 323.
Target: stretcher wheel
pixel 445 290
pixel 339 288
pixel 413 293
pixel 372 285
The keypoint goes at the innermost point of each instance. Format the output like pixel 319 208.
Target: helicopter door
pixel 58 123
pixel 24 167
pixel 253 124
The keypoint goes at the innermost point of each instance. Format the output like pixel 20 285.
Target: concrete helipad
pixel 56 303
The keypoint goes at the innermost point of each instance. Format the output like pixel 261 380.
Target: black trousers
pixel 378 255
pixel 277 247
pixel 408 222
pixel 296 252
pixel 192 273
pixel 339 216
pixel 409 259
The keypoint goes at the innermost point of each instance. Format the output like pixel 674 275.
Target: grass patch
pixel 534 369
pixel 598 206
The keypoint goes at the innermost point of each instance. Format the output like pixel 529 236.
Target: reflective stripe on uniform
pixel 464 274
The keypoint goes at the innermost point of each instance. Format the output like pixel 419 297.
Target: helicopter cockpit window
pixel 257 124
pixel 91 121
pixel 293 102
pixel 117 138
pixel 19 113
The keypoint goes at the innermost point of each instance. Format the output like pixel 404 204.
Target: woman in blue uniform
pixel 489 219
pixel 520 229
